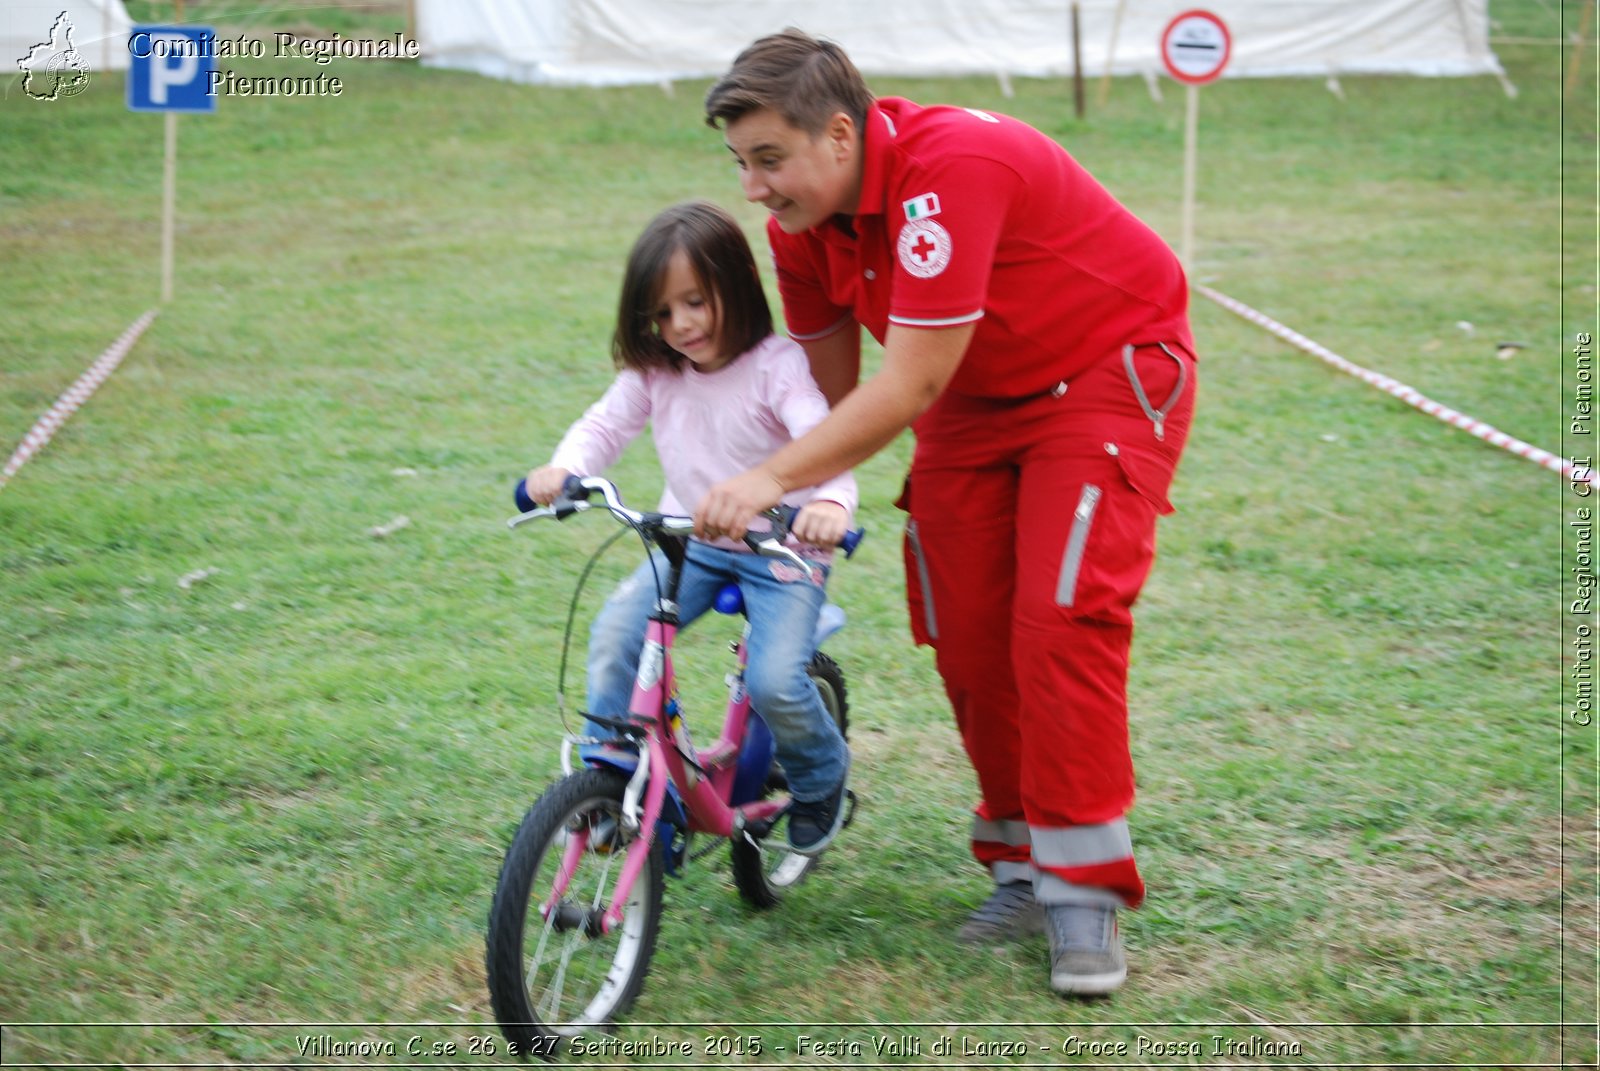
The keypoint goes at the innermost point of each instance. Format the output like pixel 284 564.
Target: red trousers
pixel 1032 531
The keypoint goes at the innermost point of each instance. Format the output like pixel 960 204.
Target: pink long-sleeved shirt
pixel 708 426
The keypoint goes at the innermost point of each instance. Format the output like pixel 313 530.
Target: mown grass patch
pixel 279 793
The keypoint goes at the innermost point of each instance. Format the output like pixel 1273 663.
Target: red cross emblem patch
pixel 924 248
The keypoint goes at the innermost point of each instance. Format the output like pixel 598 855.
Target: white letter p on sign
pixel 173 62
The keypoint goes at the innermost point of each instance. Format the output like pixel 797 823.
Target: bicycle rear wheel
pixel 764 871
pixel 549 978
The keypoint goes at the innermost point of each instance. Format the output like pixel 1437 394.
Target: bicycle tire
pixel 550 982
pixel 762 874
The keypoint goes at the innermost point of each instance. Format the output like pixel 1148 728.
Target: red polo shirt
pixel 968 216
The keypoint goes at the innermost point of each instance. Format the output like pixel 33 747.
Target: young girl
pixel 698 360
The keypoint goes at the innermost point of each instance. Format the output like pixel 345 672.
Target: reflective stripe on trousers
pixel 1090 864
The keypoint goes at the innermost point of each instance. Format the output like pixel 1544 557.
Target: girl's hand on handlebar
pixel 821 523
pixel 728 508
pixel 544 484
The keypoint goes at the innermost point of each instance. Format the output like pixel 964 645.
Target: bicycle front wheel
pixel 551 974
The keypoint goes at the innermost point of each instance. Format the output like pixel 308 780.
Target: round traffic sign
pixel 1195 47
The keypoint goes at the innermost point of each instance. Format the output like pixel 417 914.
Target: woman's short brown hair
pixel 723 265
pixel 804 79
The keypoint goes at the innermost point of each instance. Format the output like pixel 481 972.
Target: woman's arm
pixel 835 361
pixel 917 365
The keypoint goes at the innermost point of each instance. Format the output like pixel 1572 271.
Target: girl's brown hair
pixel 724 267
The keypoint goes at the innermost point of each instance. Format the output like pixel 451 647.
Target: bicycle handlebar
pixel 574 498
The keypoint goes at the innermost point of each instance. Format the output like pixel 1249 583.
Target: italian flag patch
pixel 922 206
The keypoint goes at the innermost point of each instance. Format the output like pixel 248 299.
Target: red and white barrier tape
pixel 1409 395
pixel 74 397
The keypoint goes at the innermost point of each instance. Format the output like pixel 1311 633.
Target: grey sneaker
pixel 1085 949
pixel 1009 913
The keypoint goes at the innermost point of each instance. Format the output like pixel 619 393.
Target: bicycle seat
pixel 730 600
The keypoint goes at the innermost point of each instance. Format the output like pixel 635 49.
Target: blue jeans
pixel 783 619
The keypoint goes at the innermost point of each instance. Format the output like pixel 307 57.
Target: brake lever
pixel 560 509
pixel 770 544
pixel 783 520
pixel 573 499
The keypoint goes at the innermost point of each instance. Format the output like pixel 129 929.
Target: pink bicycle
pixel 578 904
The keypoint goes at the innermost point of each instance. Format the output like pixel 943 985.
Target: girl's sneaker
pixel 814 824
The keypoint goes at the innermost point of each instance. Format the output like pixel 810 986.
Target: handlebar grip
pixel 572 490
pixel 852 539
pixel 520 494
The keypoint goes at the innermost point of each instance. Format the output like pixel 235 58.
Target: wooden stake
pixel 169 197
pixel 1575 64
pixel 1191 128
pixel 1111 51
pixel 1077 64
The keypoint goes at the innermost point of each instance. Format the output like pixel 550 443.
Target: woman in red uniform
pixel 1036 337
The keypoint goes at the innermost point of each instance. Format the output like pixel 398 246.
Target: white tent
pixel 34 38
pixel 601 42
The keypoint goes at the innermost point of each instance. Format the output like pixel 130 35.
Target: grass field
pixel 258 766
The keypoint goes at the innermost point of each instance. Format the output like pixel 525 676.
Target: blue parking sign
pixel 169 68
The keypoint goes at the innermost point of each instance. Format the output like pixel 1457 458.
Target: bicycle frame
pixel 705 799
pixel 705 780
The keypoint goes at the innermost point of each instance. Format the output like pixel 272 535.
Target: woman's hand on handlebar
pixel 821 523
pixel 544 484
pixel 730 506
